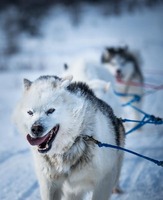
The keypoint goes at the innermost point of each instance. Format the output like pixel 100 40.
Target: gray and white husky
pixel 56 116
pixel 124 65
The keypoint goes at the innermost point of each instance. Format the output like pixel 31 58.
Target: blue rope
pixel 138 109
pixel 136 127
pixel 150 119
pixel 147 119
pixel 136 97
pixel 100 144
pixel 157 162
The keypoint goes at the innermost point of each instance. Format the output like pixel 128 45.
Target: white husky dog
pixel 56 116
pixel 124 66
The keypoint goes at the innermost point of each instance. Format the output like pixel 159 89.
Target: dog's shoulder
pixel 81 89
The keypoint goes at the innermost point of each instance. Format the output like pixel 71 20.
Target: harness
pixel 100 144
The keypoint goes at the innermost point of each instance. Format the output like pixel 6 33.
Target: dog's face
pixel 118 63
pixel 48 113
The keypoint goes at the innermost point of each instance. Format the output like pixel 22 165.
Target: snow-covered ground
pixel 62 42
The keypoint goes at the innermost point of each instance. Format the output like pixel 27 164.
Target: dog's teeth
pixel 43 148
pixel 51 134
pixel 55 129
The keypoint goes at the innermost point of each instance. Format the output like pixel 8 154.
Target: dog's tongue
pixel 118 77
pixel 37 141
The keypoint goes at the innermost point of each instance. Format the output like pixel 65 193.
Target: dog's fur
pixel 124 65
pixel 99 80
pixel 104 91
pixel 72 166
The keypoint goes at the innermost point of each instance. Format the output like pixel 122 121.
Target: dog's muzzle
pixel 119 74
pixel 44 143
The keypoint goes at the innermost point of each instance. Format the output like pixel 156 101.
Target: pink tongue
pixel 118 76
pixel 37 141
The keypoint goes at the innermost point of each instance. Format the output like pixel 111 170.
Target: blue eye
pixel 50 111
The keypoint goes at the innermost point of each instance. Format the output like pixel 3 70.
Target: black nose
pixel 37 130
pixel 118 71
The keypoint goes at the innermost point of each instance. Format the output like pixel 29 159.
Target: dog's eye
pixel 123 63
pixel 30 112
pixel 50 111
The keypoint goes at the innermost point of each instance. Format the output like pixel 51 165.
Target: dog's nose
pixel 37 130
pixel 118 71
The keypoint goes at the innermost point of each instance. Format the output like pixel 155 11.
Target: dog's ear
pixel 66 81
pixel 123 49
pixel 111 50
pixel 27 83
pixel 66 66
pixel 105 56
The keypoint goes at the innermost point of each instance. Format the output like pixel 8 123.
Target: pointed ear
pixel 66 81
pixel 105 56
pixel 27 84
pixel 107 53
pixel 66 66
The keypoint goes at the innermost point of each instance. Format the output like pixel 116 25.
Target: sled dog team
pixel 56 114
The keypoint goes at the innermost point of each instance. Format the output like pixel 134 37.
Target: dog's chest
pixel 53 168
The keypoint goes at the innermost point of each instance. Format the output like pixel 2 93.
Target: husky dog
pixel 124 66
pixel 56 115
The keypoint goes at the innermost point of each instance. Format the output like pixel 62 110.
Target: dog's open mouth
pixel 44 143
pixel 119 76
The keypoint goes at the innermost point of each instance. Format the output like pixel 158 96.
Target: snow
pixel 63 42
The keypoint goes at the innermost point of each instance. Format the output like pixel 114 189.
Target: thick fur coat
pixel 54 114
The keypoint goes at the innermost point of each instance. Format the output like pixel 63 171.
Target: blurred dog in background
pixel 124 65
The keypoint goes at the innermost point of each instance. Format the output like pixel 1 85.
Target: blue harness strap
pixel 147 119
pixel 100 144
pixel 136 96
pixel 159 163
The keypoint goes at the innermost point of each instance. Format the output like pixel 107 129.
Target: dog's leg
pixel 69 192
pixel 103 190
pixel 72 196
pixel 117 189
pixel 49 190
